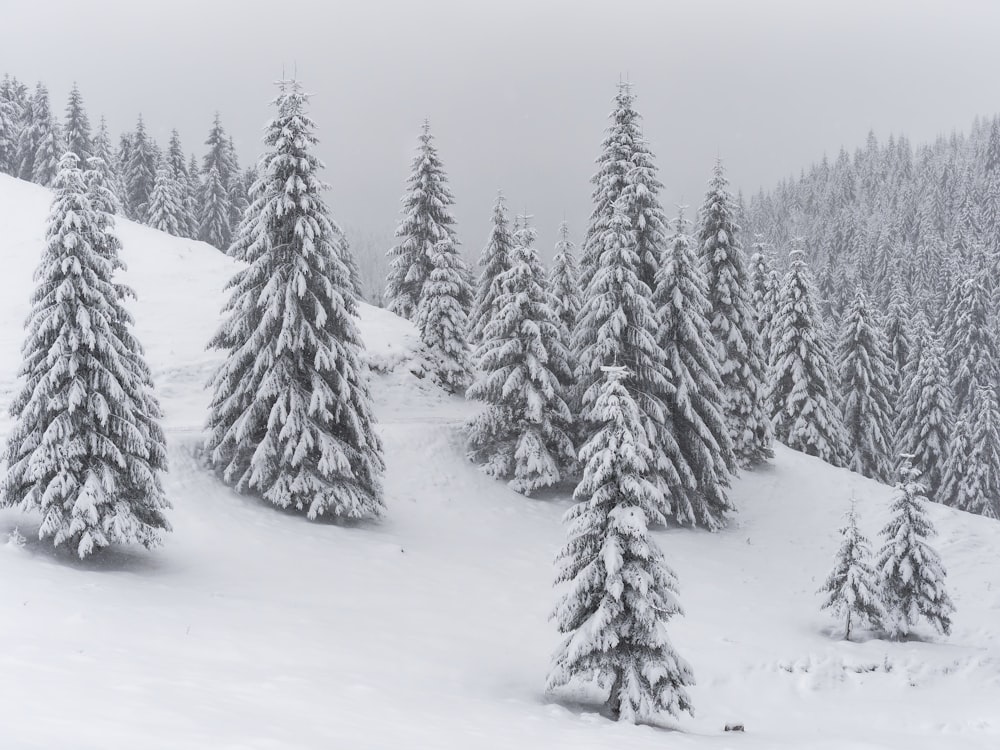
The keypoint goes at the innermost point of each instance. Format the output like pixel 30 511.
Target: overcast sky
pixel 518 91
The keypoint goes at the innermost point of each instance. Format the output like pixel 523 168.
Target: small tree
pixel 866 386
pixel 802 401
pixel 523 435
pixel 166 209
pixel 620 592
pixel 86 450
pixel 564 281
pixel 852 589
pixel 495 261
pixel 910 572
pixel 442 321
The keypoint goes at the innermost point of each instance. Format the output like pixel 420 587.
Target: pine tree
pixel 139 173
pixel 626 173
pixel 192 193
pixel 802 399
pixel 238 196
pixel 924 424
pixel 524 433
pixel 618 326
pixel 35 124
pixel 10 130
pixel 495 260
pixel 442 321
pixel 77 133
pixel 694 406
pixel 214 227
pixel 851 589
pixel 866 388
pixel 564 281
pixel 50 150
pixel 733 326
pixel 911 576
pixel 104 161
pixel 972 351
pixel 620 592
pixel 291 415
pixel 166 207
pixel 427 220
pixel 971 479
pixel 898 335
pixel 764 287
pixel 220 154
pixel 85 450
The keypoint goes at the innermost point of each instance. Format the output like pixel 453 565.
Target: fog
pixel 518 92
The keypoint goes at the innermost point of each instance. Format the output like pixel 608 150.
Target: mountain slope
pixel 253 628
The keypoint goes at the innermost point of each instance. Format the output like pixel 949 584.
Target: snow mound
pixel 255 629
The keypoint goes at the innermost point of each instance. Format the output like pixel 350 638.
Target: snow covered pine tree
pixel 911 576
pixel 524 434
pixel 620 593
pixel 851 589
pixel 86 449
pixel 495 260
pixel 291 415
pixel 733 325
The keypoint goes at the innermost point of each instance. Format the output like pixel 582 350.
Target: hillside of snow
pixel 256 629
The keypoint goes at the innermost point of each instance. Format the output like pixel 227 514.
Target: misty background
pixel 518 92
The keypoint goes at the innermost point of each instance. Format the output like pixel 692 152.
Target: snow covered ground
pixel 252 628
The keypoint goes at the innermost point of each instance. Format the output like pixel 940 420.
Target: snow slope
pixel 252 628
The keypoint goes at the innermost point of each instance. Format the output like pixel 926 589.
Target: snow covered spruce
pixel 852 588
pixel 86 450
pixel 291 415
pixel 618 592
pixel 911 576
pixel 524 435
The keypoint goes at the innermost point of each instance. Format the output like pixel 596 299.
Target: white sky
pixel 518 91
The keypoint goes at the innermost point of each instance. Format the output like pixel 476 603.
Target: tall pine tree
pixel 291 415
pixel 701 445
pixel 85 450
pixel 564 281
pixel 139 173
pixel 619 593
pixel 733 325
pixel 802 396
pixel 166 207
pixel 77 132
pixel 971 479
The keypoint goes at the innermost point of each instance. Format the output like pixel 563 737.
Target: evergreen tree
pixel 427 220
pixel 174 158
pixel 733 326
pixel 10 129
pixel 898 335
pixel 866 389
pixel 618 326
pixel 524 371
pixel 442 321
pixel 214 227
pixel 925 408
pixel 77 131
pixel 220 154
pixel 291 415
pixel 83 451
pixel 620 592
pixel 166 206
pixel 495 260
pixel 912 578
pixel 104 161
pixel 852 588
pixel 50 150
pixel 564 281
pixel 972 351
pixel 36 122
pixel 626 173
pixel 238 195
pixel 139 173
pixel 694 405
pixel 192 193
pixel 971 479
pixel 764 286
pixel 802 402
